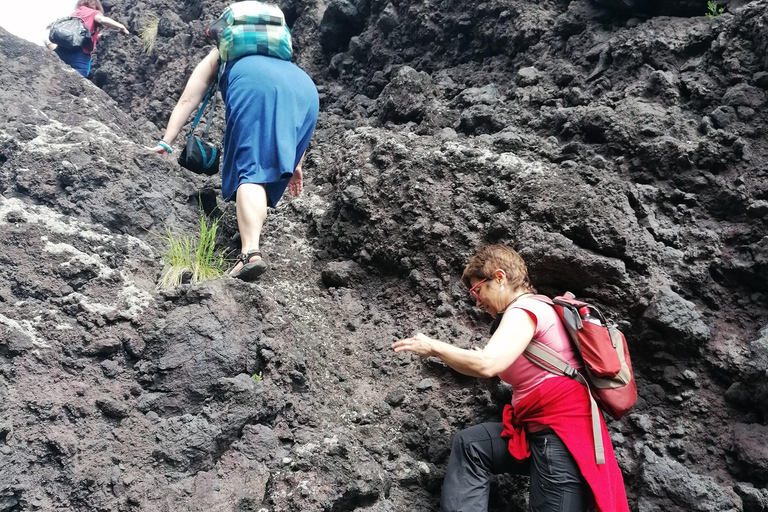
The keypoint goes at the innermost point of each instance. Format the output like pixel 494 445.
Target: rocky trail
pixel 620 146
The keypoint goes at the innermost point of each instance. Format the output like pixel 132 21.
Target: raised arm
pixel 110 23
pixel 505 346
pixel 194 92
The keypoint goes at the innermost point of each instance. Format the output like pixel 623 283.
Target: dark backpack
pixel 70 33
pixel 198 155
pixel 607 368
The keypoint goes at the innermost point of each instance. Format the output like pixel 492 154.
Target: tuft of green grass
pixel 256 376
pixel 713 10
pixel 196 258
pixel 149 33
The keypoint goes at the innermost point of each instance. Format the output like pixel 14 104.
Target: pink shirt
pixel 523 375
pixel 87 14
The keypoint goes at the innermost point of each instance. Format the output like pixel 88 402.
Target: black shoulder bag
pixel 199 156
pixel 70 33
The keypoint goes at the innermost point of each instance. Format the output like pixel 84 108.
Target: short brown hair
pixel 492 257
pixel 91 4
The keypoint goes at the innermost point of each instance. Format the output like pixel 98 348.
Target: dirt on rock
pixel 618 145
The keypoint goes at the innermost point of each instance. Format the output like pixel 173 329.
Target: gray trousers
pixel 480 451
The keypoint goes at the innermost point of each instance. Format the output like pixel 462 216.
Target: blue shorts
pixel 79 61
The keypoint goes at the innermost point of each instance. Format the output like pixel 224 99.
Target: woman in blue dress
pixel 271 112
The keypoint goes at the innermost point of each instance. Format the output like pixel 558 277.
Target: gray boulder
pixel 406 97
pixel 679 318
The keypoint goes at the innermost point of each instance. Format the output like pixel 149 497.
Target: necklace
pixel 500 314
pixel 515 300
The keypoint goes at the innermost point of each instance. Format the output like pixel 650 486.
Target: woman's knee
pixel 464 438
pixel 474 445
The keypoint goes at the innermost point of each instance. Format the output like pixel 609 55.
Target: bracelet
pixel 165 146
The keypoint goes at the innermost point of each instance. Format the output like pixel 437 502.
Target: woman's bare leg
pixel 251 207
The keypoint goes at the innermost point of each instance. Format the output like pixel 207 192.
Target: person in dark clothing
pixel 92 14
pixel 547 430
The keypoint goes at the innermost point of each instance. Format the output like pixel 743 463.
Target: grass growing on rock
pixel 713 9
pixel 149 34
pixel 192 259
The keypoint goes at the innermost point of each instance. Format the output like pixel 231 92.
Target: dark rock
pixel 527 76
pixel 186 440
pixel 752 451
pixel 631 7
pixel 653 394
pixel 17 341
pixel 486 95
pixel 425 385
pixel 388 19
pixel 480 119
pixel 240 384
pixel 607 173
pixel 761 79
pixel 743 95
pixel 341 20
pixel 103 347
pixel 169 24
pixel 112 408
pixel 679 317
pixel 724 116
pixel 759 352
pixel 149 401
pixel 110 368
pixel 395 397
pixel 406 97
pixel 673 485
pixel 342 274
pixel 15 217
pixel 259 442
pixel 754 500
pixel 739 394
pixel 134 346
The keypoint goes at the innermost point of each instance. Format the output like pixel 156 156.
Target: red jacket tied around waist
pixel 563 405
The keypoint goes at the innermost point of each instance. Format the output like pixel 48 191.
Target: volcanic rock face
pixel 619 151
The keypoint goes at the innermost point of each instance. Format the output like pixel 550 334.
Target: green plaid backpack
pixel 251 27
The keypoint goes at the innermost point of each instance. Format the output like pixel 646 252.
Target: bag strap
pixel 211 93
pixel 542 298
pixel 548 359
pixel 210 113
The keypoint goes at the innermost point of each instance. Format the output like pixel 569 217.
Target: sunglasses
pixel 476 287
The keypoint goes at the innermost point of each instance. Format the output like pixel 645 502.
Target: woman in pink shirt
pixel 547 430
pixel 92 14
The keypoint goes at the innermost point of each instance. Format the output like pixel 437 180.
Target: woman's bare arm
pixel 194 92
pixel 505 346
pixel 110 23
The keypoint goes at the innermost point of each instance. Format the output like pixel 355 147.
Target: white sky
pixel 28 18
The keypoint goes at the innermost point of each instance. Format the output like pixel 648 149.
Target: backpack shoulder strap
pixel 542 298
pixel 548 359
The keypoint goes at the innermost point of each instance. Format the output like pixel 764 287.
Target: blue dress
pixel 272 107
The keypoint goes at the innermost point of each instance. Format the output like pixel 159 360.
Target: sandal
pixel 250 270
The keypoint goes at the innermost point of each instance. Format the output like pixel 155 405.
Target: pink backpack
pixel 607 367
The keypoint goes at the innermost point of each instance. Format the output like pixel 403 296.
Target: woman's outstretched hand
pixel 159 150
pixel 418 344
pixel 296 184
